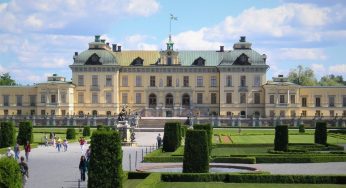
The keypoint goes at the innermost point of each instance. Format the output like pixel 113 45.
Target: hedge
pixel 86 131
pixel 7 134
pixel 105 166
pixel 209 129
pixel 301 129
pixel 243 160
pixel 281 138
pixel 70 133
pixel 150 181
pixel 10 175
pixel 196 152
pixel 321 133
pixel 300 159
pixel 137 175
pixel 183 130
pixel 171 137
pixel 163 159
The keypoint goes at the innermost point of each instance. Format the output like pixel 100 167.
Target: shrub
pixel 321 133
pixel 172 137
pixel 25 133
pixel 163 159
pixel 300 159
pixel 196 152
pixel 86 131
pixel 281 138
pixel 7 134
pixel 183 130
pixel 103 127
pixel 244 160
pixel 70 133
pixel 105 167
pixel 209 129
pixel 137 175
pixel 301 129
pixel 10 175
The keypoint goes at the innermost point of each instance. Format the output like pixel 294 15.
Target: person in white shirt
pixel 10 153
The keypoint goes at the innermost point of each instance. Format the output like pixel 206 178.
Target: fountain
pixel 127 132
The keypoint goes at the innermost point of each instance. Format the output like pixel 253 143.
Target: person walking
pixel 159 140
pixel 10 153
pixel 58 144
pixel 65 145
pixel 27 149
pixel 16 151
pixel 81 143
pixel 82 167
pixel 24 169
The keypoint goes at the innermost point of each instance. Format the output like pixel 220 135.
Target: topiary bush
pixel 301 129
pixel 105 168
pixel 25 133
pixel 196 152
pixel 7 134
pixel 321 133
pixel 70 133
pixel 86 131
pixel 172 137
pixel 281 138
pixel 10 175
pixel 209 130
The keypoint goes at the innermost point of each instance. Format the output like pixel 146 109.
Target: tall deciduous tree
pixel 332 80
pixel 6 80
pixel 302 76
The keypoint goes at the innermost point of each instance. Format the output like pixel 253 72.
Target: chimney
pixel 103 40
pixel 280 76
pixel 107 44
pixel 97 38
pixel 114 47
pixel 221 48
pixel 75 53
pixel 242 39
pixel 119 48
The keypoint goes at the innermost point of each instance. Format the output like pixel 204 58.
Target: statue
pixel 122 114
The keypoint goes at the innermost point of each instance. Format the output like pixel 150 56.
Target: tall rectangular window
pixel 228 98
pixel 95 98
pixel 152 81
pixel 304 102
pixel 213 98
pixel 293 113
pixel 304 114
pixel 169 60
pixel 293 99
pixel 199 98
pixel 213 82
pixel 43 112
pixel 199 81
pixel 124 81
pixel 6 100
pixel 331 101
pixel 109 80
pixel 169 82
pixel 19 100
pixel 242 98
pixel 63 97
pixel 344 101
pixel 331 113
pixel 242 81
pixel 257 81
pixel 43 98
pixel 95 80
pixel 80 97
pixel 19 112
pixel 53 98
pixel 257 98
pixel 109 98
pixel 282 99
pixel 138 81
pixel 229 81
pixel 32 100
pixel 138 98
pixel 80 80
pixel 186 81
pixel 318 102
pixel 271 99
pixel 124 98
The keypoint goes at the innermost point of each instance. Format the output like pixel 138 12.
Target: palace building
pixel 171 83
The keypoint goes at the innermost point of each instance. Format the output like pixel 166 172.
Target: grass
pixel 131 183
pixel 240 185
pixel 227 151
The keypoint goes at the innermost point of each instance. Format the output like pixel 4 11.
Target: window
pixel 52 112
pixel 282 113
pixel 63 97
pixel 124 98
pixel 32 99
pixel 331 113
pixel 242 81
pixel 186 100
pixel 257 98
pixel 6 100
pixel 229 81
pixel 5 112
pixel 109 98
pixel 257 81
pixel 343 101
pixel 43 98
pixel 344 113
pixel 80 80
pixel 152 81
pixel 19 112
pixel 331 101
pixel 95 80
pixel 293 99
pixel 213 98
pixel 282 99
pixel 186 81
pixel 169 100
pixel 242 98
pixel 152 101
pixel 228 98
pixel 213 82
pixel 80 97
pixel 199 98
pixel 318 102
pixel 124 81
pixel 53 98
pixel 169 60
pixel 318 113
pixel 293 113
pixel 138 81
pixel 32 112
pixel 43 112
pixel 19 100
pixel 63 112
pixel 271 113
pixel 109 80
pixel 94 98
pixel 271 99
pixel 199 81
pixel 304 114
pixel 138 98
pixel 304 102
pixel 169 82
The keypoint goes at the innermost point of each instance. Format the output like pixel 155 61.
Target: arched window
pixel 109 113
pixel 186 100
pixel 229 113
pixel 257 114
pixel 169 100
pixel 152 101
pixel 242 113
pixel 94 112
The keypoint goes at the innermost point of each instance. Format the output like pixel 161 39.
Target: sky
pixel 39 37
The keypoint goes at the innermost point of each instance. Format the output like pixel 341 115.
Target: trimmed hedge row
pixel 172 136
pixel 300 159
pixel 281 138
pixel 70 133
pixel 321 133
pixel 137 175
pixel 209 130
pixel 86 131
pixel 163 159
pixel 25 133
pixel 243 160
pixel 254 178
pixel 7 134
pixel 10 175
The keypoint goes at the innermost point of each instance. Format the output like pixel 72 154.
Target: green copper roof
pixel 212 58
pixel 254 57
pixel 106 57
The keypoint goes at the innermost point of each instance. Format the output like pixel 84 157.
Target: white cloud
pixel 318 69
pixel 322 70
pixel 302 54
pixel 196 40
pixel 142 7
pixel 139 42
pixel 338 69
pixel 33 21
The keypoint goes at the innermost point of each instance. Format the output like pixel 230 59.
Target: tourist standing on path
pixel 58 144
pixel 81 143
pixel 65 145
pixel 27 149
pixel 159 140
pixel 10 153
pixel 24 170
pixel 16 151
pixel 82 167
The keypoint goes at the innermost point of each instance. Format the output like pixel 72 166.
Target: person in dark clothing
pixel 24 170
pixel 82 167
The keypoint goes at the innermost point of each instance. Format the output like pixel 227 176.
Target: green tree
pixel 332 80
pixel 6 80
pixel 302 76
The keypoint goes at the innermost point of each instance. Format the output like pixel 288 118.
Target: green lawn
pixel 227 151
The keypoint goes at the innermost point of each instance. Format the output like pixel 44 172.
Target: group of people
pixel 56 142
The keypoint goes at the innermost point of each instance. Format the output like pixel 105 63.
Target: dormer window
pixel 199 62
pixel 242 60
pixel 169 60
pixel 137 62
pixel 93 60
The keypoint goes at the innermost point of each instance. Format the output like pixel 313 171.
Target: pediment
pixel 138 61
pixel 94 59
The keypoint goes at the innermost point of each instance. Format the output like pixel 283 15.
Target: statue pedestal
pixel 124 130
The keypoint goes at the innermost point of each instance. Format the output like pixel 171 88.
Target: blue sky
pixel 39 37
